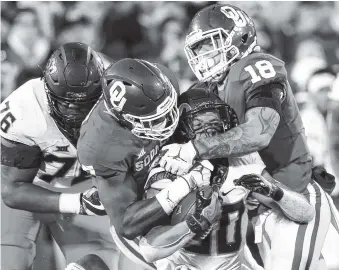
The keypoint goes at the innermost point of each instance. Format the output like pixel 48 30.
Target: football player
pixel 222 51
pixel 204 114
pixel 134 118
pixel 40 124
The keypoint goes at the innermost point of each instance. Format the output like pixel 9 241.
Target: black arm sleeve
pixel 19 155
pixel 269 95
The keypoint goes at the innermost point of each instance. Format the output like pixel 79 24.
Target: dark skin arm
pixel 163 241
pixel 17 188
pixel 130 218
pixel 251 136
pixel 19 192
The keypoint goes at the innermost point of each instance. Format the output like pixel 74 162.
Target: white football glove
pixel 199 175
pixel 179 158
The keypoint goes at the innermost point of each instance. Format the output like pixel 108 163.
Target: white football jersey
pixel 25 118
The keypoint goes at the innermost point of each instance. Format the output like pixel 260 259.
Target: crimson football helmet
pixel 72 80
pixel 229 34
pixel 142 97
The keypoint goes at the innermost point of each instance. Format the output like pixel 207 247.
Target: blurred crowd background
pixel 303 34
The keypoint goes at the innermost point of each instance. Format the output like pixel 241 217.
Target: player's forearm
pixel 163 241
pixel 251 136
pixel 292 204
pixel 141 216
pixel 296 207
pixel 29 197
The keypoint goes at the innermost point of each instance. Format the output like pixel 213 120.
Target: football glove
pixel 179 158
pixel 199 175
pixel 207 212
pixel 323 178
pixel 259 184
pixel 90 203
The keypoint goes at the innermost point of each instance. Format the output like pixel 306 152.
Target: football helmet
pixel 218 36
pixel 142 97
pixel 196 101
pixel 72 83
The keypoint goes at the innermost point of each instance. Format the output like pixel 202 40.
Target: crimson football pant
pixel 285 244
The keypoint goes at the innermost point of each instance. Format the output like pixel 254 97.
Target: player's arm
pixel 261 121
pixel 130 217
pixel 262 117
pixel 118 192
pixel 19 166
pixel 276 195
pixel 163 241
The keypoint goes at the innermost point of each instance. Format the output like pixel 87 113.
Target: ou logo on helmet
pixel 117 93
pixel 236 15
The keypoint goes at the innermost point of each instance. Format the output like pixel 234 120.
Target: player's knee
pixel 89 262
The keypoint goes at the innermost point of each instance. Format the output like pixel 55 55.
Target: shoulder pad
pixel 105 157
pixel 258 69
pixel 21 116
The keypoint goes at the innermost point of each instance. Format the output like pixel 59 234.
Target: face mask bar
pixel 199 63
pixel 145 129
pixel 226 115
pixel 148 127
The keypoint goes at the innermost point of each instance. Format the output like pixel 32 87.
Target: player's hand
pixel 208 211
pixel 90 203
pixel 220 176
pixel 199 175
pixel 179 158
pixel 259 184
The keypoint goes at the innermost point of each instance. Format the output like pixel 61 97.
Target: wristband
pixel 173 194
pixel 277 194
pixel 69 203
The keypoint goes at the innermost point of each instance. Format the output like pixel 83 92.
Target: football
pixel 184 208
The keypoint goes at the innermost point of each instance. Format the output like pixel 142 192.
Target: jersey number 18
pixel 264 68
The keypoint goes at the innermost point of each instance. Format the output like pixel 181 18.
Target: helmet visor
pixel 210 53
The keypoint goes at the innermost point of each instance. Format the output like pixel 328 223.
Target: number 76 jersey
pixel 25 118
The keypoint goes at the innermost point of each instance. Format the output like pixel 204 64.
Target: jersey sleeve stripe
pixel 316 225
pixel 299 242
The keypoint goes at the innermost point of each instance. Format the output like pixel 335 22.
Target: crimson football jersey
pixel 287 156
pixel 105 147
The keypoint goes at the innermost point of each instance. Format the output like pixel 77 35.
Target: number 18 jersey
pixel 25 118
pixel 248 85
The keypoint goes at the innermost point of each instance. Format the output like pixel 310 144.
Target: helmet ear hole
pixel 127 83
pixel 244 38
pixel 108 82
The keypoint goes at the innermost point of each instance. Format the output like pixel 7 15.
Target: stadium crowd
pixel 303 34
